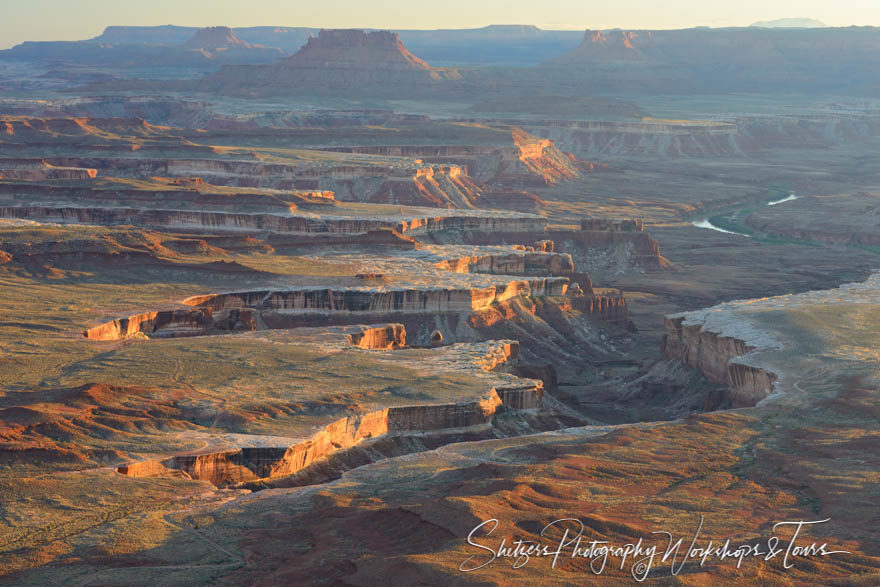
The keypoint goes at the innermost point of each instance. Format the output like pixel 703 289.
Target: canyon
pixel 284 305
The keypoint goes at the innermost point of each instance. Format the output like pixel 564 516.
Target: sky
pixel 57 20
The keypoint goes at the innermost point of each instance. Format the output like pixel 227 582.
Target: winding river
pixel 706 223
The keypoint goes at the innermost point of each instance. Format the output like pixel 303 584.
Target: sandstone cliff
pixel 233 467
pixel 719 358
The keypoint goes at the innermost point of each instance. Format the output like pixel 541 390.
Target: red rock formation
pixel 390 336
pixel 160 323
pixel 247 464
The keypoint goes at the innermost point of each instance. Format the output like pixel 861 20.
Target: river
pixel 705 223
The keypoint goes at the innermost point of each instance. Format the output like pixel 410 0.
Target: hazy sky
pixel 44 20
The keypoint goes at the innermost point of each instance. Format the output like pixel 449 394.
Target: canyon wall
pixel 715 356
pixel 236 466
pixel 170 323
pixel 231 221
pixel 382 300
pixel 599 247
pixel 512 264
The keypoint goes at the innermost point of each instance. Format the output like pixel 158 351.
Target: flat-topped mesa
pixel 215 221
pixel 236 466
pixel 697 138
pixel 408 182
pixel 216 37
pixel 715 355
pixel 342 62
pixel 382 300
pixel 355 49
pixel 164 193
pixel 717 60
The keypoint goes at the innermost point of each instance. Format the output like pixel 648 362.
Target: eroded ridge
pixel 727 343
pixel 231 467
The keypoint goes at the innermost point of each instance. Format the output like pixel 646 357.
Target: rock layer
pixel 715 356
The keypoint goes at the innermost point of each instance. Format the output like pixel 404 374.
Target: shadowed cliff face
pixel 714 355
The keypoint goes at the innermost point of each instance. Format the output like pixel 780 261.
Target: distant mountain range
pixel 790 23
pixel 488 62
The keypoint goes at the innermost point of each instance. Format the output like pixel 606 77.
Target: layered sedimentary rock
pixel 387 337
pixel 512 264
pixel 599 247
pixel 338 61
pixel 231 467
pixel 381 180
pixel 648 137
pixel 215 37
pixel 248 464
pixel 158 323
pixel 171 194
pixel 527 160
pixel 382 299
pixel 228 221
pixel 733 59
pixel 39 169
pixel 715 355
pixel 607 306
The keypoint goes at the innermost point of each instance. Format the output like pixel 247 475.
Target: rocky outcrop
pixel 647 137
pixel 163 323
pixel 254 222
pixel 512 264
pixel 232 467
pixel 607 307
pixel 526 160
pixel 39 169
pixel 338 61
pixel 216 37
pixel 387 337
pixel 713 60
pixel 171 194
pixel 382 299
pixel 291 308
pixel 248 464
pixel 601 247
pixel 715 356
